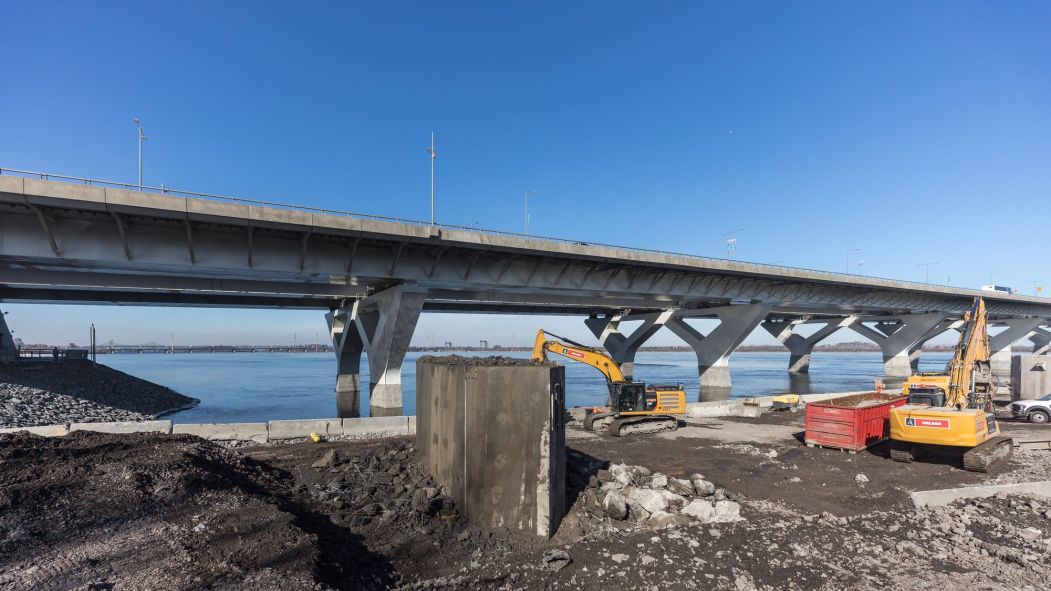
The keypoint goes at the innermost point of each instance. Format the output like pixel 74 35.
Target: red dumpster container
pixel 851 422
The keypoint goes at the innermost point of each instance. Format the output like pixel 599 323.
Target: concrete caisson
pixel 1030 376
pixel 492 432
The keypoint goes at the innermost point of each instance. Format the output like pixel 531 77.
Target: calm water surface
pixel 256 387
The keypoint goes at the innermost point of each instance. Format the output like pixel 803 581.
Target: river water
pixel 257 387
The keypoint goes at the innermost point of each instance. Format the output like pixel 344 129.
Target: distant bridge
pixel 75 240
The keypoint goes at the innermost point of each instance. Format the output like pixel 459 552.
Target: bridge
pixel 77 240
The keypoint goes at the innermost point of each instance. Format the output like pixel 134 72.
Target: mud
pixel 98 511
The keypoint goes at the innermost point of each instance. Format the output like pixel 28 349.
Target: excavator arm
pixel 969 369
pixel 577 352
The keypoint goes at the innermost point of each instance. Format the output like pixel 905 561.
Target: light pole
pixel 528 193
pixel 434 155
pixel 926 271
pixel 142 138
pixel 731 244
pixel 847 269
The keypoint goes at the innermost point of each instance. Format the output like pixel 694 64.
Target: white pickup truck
pixel 1034 411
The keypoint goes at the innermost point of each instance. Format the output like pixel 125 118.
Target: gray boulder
pixel 700 509
pixel 615 506
pixel 680 487
pixel 702 487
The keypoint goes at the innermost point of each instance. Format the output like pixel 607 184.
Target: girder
pixel 251 242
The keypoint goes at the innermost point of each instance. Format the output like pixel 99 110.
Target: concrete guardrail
pixel 363 427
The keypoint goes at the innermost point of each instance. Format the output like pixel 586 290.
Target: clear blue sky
pixel 917 132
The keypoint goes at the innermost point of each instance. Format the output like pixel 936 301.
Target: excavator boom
pixel 969 368
pixel 577 352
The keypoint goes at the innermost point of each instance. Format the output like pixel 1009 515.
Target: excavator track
pixel 988 454
pixel 642 424
pixel 597 421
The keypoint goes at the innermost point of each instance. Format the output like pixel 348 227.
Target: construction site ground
pixel 95 511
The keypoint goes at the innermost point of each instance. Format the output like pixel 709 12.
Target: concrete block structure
pixel 257 432
pixel 296 429
pixel 124 427
pixel 1030 376
pixel 492 432
pixel 45 430
pixel 376 426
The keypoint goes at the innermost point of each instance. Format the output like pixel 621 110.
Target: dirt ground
pixel 96 511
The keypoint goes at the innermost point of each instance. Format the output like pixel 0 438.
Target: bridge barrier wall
pixel 45 430
pixel 743 406
pixel 364 427
pixel 124 427
pixel 494 436
pixel 378 426
pixel 297 429
pixel 257 432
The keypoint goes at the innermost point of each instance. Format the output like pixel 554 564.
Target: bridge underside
pixel 66 243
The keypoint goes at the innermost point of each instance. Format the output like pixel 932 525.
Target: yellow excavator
pixel 633 407
pixel 953 411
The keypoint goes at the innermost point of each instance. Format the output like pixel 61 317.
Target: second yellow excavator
pixel 953 411
pixel 633 407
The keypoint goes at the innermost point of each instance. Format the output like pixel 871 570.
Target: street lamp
pixel 926 271
pixel 142 137
pixel 847 269
pixel 731 244
pixel 527 195
pixel 434 155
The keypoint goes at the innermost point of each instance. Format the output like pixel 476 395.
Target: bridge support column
pixel 385 323
pixel 8 352
pixel 801 347
pixel 713 351
pixel 623 348
pixel 1000 343
pixel 917 349
pixel 900 339
pixel 1041 339
pixel 347 344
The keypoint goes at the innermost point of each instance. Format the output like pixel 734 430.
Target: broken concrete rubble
pixel 655 501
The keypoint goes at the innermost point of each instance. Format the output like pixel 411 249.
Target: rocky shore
pixel 47 393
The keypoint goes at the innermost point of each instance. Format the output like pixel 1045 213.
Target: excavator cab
pixel 631 397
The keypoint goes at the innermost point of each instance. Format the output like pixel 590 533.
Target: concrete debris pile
pixel 635 495
pixel 381 484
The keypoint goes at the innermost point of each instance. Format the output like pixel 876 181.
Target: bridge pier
pixel 1041 339
pixel 713 350
pixel 1000 343
pixel 800 347
pixel 380 326
pixel 347 344
pixel 8 352
pixel 621 348
pixel 386 321
pixel 900 339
